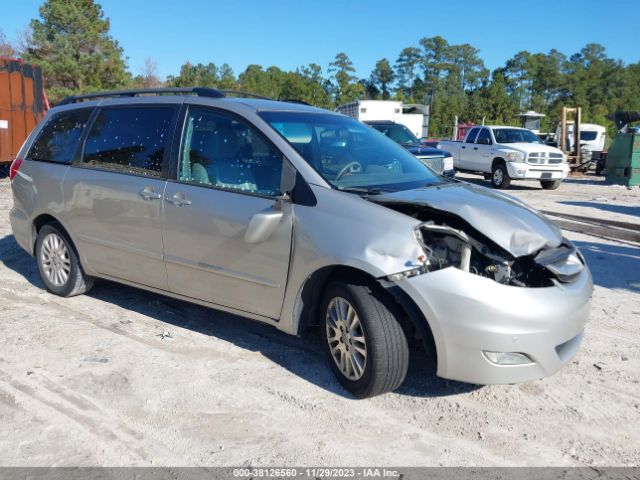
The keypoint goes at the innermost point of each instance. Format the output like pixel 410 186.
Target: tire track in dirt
pixel 54 400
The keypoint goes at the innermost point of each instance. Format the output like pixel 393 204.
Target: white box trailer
pixel 413 116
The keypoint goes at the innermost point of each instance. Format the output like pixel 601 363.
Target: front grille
pixel 435 163
pixel 537 158
pixel 555 158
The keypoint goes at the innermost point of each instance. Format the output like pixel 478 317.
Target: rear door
pixel 229 178
pixel 113 195
pixel 466 149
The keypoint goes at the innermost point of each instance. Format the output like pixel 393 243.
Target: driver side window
pixel 485 137
pixel 220 151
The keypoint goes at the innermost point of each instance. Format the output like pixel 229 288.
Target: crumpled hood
pixel 509 222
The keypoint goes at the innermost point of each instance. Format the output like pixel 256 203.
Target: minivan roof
pixel 181 95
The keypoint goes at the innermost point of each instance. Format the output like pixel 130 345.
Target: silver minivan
pixel 296 216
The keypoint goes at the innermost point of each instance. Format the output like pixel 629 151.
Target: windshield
pixel 515 135
pixel 398 133
pixel 588 135
pixel 349 154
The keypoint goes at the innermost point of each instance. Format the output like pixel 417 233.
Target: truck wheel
pixel 500 176
pixel 58 263
pixel 363 341
pixel 550 184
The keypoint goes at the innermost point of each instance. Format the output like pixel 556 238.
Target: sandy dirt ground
pixel 95 380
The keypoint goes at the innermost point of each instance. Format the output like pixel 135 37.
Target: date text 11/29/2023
pixel 308 472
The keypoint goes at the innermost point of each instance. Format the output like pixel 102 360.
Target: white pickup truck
pixel 505 153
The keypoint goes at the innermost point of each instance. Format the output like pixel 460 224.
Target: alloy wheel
pixel 55 260
pixel 498 176
pixel 346 339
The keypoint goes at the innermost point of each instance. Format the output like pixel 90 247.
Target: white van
pixel 592 138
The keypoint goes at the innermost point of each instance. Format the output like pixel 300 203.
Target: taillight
pixel 15 166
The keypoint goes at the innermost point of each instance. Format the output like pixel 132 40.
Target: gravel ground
pixel 94 380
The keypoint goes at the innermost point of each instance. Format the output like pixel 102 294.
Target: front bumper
pixel 528 171
pixel 469 314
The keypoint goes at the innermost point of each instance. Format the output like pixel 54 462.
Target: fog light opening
pixel 507 358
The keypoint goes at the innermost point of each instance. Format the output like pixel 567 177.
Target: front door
pixel 482 156
pixel 113 196
pixel 227 235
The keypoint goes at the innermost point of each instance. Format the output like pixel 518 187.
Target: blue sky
pixel 292 33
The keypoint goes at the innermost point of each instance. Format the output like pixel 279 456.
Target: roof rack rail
pixel 199 91
pixel 295 100
pixel 245 94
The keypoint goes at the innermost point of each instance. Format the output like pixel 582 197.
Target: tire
pixel 384 364
pixel 550 184
pixel 58 263
pixel 500 176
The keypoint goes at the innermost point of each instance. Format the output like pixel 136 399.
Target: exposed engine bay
pixel 449 241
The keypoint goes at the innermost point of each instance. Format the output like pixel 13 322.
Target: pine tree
pixel 71 42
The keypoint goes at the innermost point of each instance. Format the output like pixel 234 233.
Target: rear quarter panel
pixel 37 190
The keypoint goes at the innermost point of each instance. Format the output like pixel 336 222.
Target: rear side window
pixel 59 138
pixel 129 140
pixel 471 138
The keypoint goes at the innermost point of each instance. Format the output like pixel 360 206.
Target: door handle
pixel 475 148
pixel 179 200
pixel 463 147
pixel 148 194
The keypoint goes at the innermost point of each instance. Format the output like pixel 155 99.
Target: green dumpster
pixel 623 160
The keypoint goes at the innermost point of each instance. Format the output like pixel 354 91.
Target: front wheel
pixel 550 184
pixel 364 343
pixel 500 176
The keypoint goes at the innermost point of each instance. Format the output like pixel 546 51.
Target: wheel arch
pixel 46 218
pixel 39 222
pixel 307 302
pixel 496 161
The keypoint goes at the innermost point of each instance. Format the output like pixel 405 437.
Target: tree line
pixel 71 42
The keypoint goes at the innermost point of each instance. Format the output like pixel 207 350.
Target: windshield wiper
pixel 368 191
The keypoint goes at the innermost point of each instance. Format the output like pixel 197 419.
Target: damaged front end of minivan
pixel 505 295
pixel 523 254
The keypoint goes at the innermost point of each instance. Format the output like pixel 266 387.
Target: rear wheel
pixel 500 176
pixel 58 263
pixel 364 343
pixel 550 184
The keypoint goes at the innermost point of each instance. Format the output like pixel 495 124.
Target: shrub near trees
pixel 71 42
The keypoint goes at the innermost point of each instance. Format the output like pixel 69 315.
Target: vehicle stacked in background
pixel 592 138
pixel 403 124
pixel 504 153
pixel 22 105
pixel 438 160
pixel 584 144
pixel 413 116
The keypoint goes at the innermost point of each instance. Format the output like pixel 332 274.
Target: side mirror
pixel 484 141
pixel 263 224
